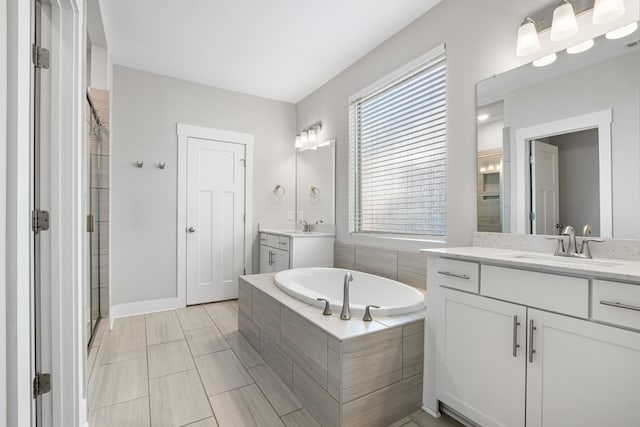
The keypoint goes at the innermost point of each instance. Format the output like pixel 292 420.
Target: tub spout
pixel 346 310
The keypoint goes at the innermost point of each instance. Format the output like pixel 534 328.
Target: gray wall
pixel 146 108
pixel 480 38
pixel 613 84
pixel 579 179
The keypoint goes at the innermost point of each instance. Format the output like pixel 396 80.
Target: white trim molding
pixel 185 132
pixel 143 307
pixel 520 207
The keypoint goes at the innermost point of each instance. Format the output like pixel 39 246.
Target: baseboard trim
pixel 434 414
pixel 144 307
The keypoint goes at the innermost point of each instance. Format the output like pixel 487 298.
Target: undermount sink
pixel 570 260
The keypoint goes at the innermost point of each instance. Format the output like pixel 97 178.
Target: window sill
pixel 440 240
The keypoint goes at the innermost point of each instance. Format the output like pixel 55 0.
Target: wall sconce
pixel 563 24
pixel 307 139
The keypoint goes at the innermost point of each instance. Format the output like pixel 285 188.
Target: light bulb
pixel 621 32
pixel 545 60
pixel 528 41
pixel 483 117
pixel 607 10
pixel 298 143
pixel 580 47
pixel 312 135
pixel 304 137
pixel 564 23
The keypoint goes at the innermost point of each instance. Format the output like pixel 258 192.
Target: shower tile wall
pixel 100 191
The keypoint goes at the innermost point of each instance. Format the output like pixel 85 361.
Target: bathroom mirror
pixel 315 184
pixel 560 145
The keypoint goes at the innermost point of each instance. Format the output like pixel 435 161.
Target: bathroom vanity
pixel 517 338
pixel 282 250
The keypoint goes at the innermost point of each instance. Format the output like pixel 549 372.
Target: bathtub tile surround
pixel 344 373
pixel 622 249
pixel 406 267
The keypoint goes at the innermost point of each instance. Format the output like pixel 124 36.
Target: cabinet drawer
pixel 616 303
pixel 263 239
pixel 461 275
pixel 283 243
pixel 272 240
pixel 562 294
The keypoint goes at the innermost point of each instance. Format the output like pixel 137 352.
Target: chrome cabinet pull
pixel 516 346
pixel 531 350
pixel 620 305
pixel 270 258
pixel 459 276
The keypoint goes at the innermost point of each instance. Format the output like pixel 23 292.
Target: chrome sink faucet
pixel 306 227
pixel 345 314
pixel 572 249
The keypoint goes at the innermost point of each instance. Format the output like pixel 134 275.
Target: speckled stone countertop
pixel 598 268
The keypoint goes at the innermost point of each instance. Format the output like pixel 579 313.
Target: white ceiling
pixel 278 49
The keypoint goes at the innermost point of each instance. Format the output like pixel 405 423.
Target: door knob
pixel 191 229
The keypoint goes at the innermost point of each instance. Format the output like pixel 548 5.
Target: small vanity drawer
pixel 461 275
pixel 562 294
pixel 273 240
pixel 616 303
pixel 263 239
pixel 283 243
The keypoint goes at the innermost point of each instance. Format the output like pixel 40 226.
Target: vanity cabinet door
pixel 481 358
pixel 581 373
pixel 265 259
pixel 280 260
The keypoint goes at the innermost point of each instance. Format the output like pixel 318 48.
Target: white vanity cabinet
pixel 516 347
pixel 281 251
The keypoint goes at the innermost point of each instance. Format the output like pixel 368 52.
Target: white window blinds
pixel 398 154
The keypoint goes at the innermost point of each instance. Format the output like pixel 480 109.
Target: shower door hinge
pixel 40 57
pixel 39 220
pixel 41 384
pixel 532 216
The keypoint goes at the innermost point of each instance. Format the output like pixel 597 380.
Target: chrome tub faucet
pixel 346 310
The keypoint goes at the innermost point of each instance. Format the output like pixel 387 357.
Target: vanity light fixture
pixel 580 47
pixel 299 143
pixel 564 23
pixel 483 117
pixel 607 10
pixel 307 139
pixel 621 32
pixel 545 60
pixel 528 41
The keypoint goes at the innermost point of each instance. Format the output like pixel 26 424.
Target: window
pixel 397 147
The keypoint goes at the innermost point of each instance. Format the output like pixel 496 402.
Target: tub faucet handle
pixel 367 313
pixel 327 307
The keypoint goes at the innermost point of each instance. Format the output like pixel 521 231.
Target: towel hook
pixel 279 190
pixel 314 192
pixel 161 165
pixel 139 163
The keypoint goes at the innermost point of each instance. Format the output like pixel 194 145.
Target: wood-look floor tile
pixel 228 326
pixel 169 358
pixel 245 407
pixel 245 352
pixel 133 413
pixel 222 371
pixel 208 422
pixel 194 318
pixel 118 382
pixel 126 341
pixel 103 325
pixel 205 341
pixel 275 390
pixel 92 355
pixel 163 327
pixel 300 418
pixel 222 309
pixel 178 399
pixel 422 419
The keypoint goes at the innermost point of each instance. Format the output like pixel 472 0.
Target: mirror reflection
pixel 559 145
pixel 315 184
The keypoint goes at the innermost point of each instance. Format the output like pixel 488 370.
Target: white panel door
pixel 481 358
pixel 582 373
pixel 215 219
pixel 545 188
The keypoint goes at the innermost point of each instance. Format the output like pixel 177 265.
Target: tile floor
pixel 191 367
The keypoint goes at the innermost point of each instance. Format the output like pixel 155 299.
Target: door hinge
pixel 39 220
pixel 244 162
pixel 532 216
pixel 531 159
pixel 244 271
pixel 40 57
pixel 244 217
pixel 41 384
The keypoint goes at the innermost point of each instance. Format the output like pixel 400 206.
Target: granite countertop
pixel 597 268
pixel 333 325
pixel 296 233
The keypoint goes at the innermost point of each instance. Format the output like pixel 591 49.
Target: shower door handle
pixel 191 229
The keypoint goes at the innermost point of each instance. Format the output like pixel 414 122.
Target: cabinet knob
pixel 191 229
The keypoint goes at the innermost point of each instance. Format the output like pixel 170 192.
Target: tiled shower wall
pixel 405 267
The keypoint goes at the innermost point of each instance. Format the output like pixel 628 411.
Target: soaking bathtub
pixel 308 284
